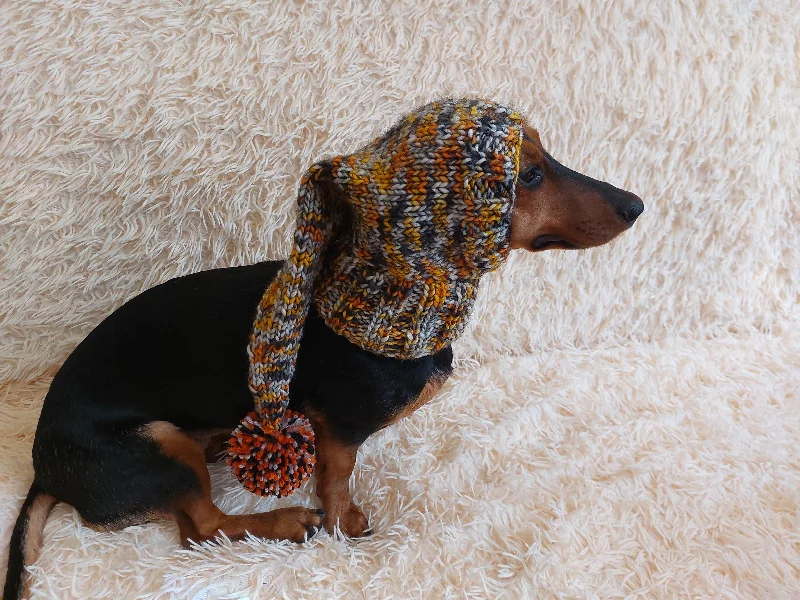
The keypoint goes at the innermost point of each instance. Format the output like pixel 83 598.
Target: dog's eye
pixel 531 177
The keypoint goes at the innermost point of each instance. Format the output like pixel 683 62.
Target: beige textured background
pixel 144 140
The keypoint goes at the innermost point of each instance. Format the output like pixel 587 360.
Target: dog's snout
pixel 630 210
pixel 627 205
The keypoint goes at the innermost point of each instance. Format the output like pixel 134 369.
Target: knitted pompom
pixel 272 461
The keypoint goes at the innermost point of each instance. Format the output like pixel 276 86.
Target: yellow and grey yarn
pixel 419 216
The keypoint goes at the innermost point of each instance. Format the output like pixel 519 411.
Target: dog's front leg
pixel 335 462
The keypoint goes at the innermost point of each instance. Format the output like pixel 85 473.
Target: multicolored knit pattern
pixel 282 312
pixel 432 201
pixel 268 452
pixel 419 216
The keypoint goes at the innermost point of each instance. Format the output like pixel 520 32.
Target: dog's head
pixel 558 208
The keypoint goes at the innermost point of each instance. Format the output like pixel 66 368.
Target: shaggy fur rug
pixel 624 422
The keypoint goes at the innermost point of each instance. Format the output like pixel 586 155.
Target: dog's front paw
pixel 351 522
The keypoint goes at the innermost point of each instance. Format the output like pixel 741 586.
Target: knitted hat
pixel 391 243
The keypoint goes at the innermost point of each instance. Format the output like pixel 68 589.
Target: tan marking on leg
pixel 207 521
pixel 335 462
pixel 178 445
pixel 294 523
pixel 186 529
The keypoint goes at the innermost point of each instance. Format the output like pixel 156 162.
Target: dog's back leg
pixel 199 518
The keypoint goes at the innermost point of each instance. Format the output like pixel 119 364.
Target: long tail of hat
pixel 272 449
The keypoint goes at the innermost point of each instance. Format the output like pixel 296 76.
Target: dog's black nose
pixel 630 211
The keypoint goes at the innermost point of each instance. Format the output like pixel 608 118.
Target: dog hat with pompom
pixel 390 245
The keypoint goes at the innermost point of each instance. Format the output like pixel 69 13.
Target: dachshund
pixel 147 398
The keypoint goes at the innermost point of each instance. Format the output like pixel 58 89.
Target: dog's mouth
pixel 546 242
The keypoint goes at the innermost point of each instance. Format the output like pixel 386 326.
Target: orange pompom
pixel 272 461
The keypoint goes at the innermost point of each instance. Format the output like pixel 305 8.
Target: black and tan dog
pixel 119 433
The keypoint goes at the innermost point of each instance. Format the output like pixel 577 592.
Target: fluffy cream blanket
pixel 624 422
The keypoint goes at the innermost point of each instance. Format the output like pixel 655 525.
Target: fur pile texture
pixel 623 422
